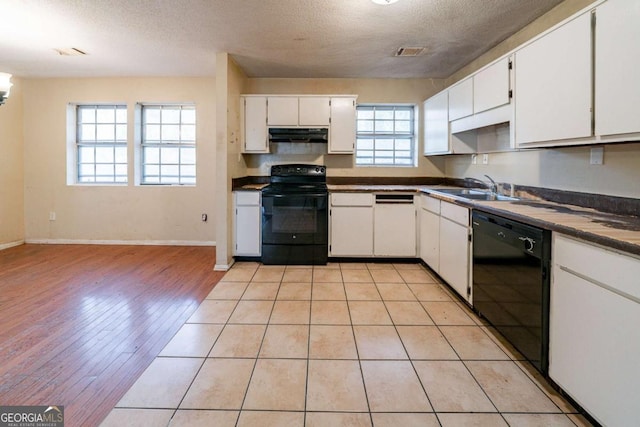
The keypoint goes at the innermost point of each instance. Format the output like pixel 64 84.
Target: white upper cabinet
pixel 617 61
pixel 436 124
pixel 314 111
pixel 335 112
pixel 254 118
pixel 461 99
pixel 342 133
pixel 282 111
pixel 553 85
pixel 491 86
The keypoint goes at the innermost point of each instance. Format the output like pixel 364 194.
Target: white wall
pixel 150 214
pixel 560 168
pixel 409 91
pixel 12 168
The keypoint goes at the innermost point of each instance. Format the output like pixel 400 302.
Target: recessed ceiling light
pixel 384 2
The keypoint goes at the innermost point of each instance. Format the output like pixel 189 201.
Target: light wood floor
pixel 79 324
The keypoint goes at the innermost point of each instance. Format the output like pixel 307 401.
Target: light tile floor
pixel 348 344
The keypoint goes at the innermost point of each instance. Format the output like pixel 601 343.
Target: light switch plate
pixel 485 159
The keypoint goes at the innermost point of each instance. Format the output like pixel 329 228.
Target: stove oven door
pixel 294 219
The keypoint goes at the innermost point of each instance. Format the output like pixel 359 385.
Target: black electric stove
pixel 295 220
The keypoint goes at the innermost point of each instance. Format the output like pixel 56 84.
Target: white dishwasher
pixel 394 226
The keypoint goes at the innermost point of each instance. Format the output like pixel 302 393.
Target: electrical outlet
pixel 52 216
pixel 204 217
pixel 597 155
pixel 485 159
pixel 474 159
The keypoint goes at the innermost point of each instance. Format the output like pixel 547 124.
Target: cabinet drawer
pixel 248 198
pixel 455 213
pixel 352 199
pixel 617 271
pixel 431 204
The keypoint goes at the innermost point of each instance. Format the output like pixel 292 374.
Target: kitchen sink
pixel 474 194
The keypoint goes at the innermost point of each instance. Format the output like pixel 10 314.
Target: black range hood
pixel 298 135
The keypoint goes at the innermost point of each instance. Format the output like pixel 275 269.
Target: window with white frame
pixel 101 144
pixel 385 135
pixel 168 145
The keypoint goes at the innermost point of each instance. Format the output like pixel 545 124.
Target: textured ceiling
pixel 286 38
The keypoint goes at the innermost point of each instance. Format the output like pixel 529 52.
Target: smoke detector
pixel 409 51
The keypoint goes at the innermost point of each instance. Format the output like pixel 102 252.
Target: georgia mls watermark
pixel 31 416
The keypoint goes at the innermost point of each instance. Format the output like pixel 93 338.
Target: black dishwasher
pixel 511 263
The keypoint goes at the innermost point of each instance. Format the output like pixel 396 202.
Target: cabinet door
pixel 553 85
pixel 436 124
pixel 594 348
pixel 351 231
pixel 617 64
pixel 282 111
pixel 394 230
pixel 454 255
pixel 342 137
pixel 313 111
pixel 430 239
pixel 256 138
pixel 491 87
pixel 461 100
pixel 248 239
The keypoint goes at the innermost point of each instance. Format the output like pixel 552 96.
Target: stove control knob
pixel 317 169
pixel 322 169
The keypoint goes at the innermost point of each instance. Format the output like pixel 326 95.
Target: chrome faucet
pixel 494 186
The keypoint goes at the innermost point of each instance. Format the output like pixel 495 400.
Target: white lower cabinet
pixel 394 226
pixel 445 243
pixel 360 226
pixel 351 225
pixel 455 248
pixel 247 223
pixel 594 338
pixel 430 232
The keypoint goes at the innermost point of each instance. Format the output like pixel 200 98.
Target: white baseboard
pixel 224 267
pixel 121 242
pixel 8 245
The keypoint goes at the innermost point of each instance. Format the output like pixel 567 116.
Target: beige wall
pixel 559 168
pixel 12 168
pixel 410 91
pixel 231 82
pixel 160 214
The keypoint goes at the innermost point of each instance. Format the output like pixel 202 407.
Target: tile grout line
pixel 395 327
pixel 355 343
pixel 264 334
pixel 175 410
